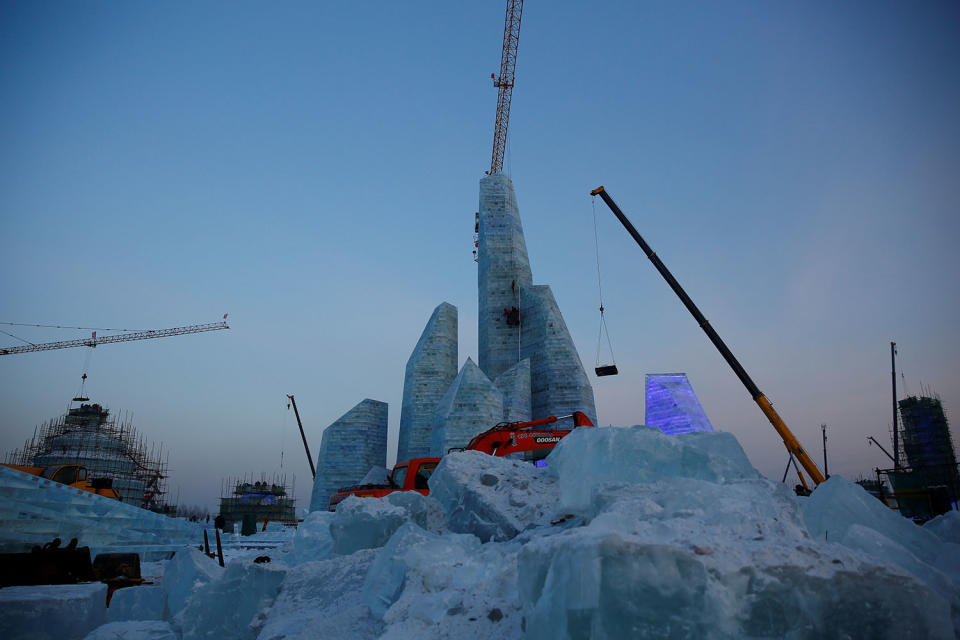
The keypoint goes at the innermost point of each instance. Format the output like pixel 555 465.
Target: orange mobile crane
pixel 789 440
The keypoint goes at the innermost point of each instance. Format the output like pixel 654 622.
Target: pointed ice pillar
pixel 470 406
pixel 430 370
pixel 514 384
pixel 672 406
pixel 558 384
pixel 350 446
pixel 503 268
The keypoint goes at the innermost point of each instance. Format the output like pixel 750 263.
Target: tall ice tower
pixel 517 320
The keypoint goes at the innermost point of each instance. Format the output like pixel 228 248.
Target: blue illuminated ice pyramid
pixel 672 406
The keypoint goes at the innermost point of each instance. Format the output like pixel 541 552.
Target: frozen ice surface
pixel 323 600
pixel 134 630
pixel 588 458
pixel 144 602
pixel 946 527
pixel 35 510
pixel 234 605
pixel 367 523
pixel 54 611
pixel 492 498
pixel 188 571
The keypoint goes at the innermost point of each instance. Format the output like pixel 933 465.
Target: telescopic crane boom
pixel 93 340
pixel 504 82
pixel 791 442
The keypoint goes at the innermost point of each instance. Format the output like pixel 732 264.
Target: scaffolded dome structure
pixel 87 435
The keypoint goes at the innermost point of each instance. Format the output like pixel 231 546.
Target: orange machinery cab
pixel 409 475
pixel 72 475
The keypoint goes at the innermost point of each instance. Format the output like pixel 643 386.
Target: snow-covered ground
pixel 627 533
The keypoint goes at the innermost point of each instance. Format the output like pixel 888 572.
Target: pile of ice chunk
pixel 627 533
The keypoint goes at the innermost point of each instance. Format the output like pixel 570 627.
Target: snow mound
pixel 234 605
pixel 134 630
pixel 492 498
pixel 588 458
pixel 367 523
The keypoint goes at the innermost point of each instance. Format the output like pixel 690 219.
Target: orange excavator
pixel 530 441
pixel 71 475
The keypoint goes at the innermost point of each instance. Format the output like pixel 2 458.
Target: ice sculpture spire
pixel 504 270
pixel 430 370
pixel 350 446
pixel 517 320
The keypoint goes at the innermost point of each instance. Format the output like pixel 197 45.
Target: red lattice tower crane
pixel 504 82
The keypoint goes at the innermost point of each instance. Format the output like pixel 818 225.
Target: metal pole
pixel 219 547
pixel 313 471
pixel 789 440
pixel 823 427
pixel 893 383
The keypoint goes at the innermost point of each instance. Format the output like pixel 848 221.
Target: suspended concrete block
pixel 350 446
pixel 430 370
pixel 470 406
pixel 558 383
pixel 514 384
pixel 503 269
pixel 672 406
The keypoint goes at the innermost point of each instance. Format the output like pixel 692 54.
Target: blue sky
pixel 311 168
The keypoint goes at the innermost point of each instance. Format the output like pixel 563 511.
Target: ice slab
pixel 946 527
pixel 492 498
pixel 837 504
pixel 689 558
pixel 53 612
pixel 367 523
pixel 145 602
pixel 588 458
pixel 35 510
pixel 134 630
pixel 188 571
pixel 233 606
pixel 439 559
pixel 322 600
pixel 312 540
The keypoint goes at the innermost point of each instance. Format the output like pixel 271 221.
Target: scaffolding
pixel 108 448
pixel 267 501
pixel 929 483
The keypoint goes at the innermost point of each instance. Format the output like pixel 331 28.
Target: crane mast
pixel 504 82
pixel 93 340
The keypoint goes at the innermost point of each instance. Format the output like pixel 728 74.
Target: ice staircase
pixel 35 510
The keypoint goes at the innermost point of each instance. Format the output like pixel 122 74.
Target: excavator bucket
pixel 607 370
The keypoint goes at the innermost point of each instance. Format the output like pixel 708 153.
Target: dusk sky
pixel 312 168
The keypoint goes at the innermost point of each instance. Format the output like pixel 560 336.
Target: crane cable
pixel 603 320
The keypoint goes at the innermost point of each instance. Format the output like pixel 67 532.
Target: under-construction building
pixel 926 441
pixel 259 501
pixel 87 435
